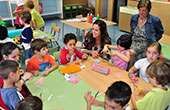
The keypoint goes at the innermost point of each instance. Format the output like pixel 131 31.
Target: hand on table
pixel 36 73
pixel 95 53
pixel 84 57
pixel 18 37
pixel 45 73
pixel 27 76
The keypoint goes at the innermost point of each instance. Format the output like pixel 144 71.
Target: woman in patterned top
pixel 96 39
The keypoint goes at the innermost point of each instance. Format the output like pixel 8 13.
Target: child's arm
pixel 125 57
pixel 46 72
pixel 35 24
pixel 133 101
pixel 132 69
pixel 81 55
pixel 107 47
pixel 17 11
pixel 64 57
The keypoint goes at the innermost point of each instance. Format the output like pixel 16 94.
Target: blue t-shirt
pixel 11 96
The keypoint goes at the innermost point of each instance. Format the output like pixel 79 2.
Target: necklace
pixel 142 20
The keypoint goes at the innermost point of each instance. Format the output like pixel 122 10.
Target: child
pixel 10 51
pixel 37 21
pixel 9 72
pixel 153 51
pixel 69 53
pixel 30 103
pixel 159 97
pixel 120 57
pixel 4 35
pixel 41 60
pixel 19 9
pixel 117 97
pixel 27 33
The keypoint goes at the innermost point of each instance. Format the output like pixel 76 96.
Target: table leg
pixel 63 31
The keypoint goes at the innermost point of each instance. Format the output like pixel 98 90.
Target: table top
pixel 66 95
pixel 83 25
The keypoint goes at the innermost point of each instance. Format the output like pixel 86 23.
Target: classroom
pixel 84 55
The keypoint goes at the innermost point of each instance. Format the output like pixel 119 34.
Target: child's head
pixel 153 51
pixel 20 4
pixel 124 42
pixel 24 17
pixel 29 4
pixel 9 69
pixel 159 72
pixel 30 103
pixel 70 41
pixel 117 96
pixel 39 46
pixel 3 33
pixel 10 51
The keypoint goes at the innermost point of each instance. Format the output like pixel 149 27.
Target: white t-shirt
pixel 7 40
pixel 142 65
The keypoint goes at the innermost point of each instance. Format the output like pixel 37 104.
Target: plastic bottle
pixel 92 18
pixel 98 17
pixel 88 18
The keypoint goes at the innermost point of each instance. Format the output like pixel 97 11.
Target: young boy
pixel 69 53
pixel 159 97
pixel 37 20
pixel 10 72
pixel 117 97
pixel 41 60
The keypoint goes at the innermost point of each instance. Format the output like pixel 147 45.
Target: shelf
pixel 50 13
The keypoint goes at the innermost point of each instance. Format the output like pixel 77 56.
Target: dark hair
pixel 104 38
pixel 160 70
pixel 119 92
pixel 38 44
pixel 30 103
pixel 3 33
pixel 25 16
pixel 124 41
pixel 155 44
pixel 7 48
pixel 68 37
pixel 6 67
pixel 145 3
pixel 29 4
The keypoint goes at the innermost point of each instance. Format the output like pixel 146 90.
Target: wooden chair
pixel 55 29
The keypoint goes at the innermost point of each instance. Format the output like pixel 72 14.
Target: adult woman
pixel 145 28
pixel 96 39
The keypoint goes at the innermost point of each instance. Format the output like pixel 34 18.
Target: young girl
pixel 153 51
pixel 120 57
pixel 27 33
pixel 69 53
pixel 19 9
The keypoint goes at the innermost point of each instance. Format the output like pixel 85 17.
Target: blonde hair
pixel 155 44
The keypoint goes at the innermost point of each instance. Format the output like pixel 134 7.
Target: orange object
pixel 70 69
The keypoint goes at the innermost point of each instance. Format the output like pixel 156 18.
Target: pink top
pixel 17 18
pixel 119 62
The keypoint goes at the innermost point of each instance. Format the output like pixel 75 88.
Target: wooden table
pixel 82 25
pixel 101 82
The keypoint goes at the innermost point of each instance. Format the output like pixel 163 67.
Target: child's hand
pixel 104 51
pixel 88 97
pixel 21 72
pixel 45 73
pixel 27 76
pixel 94 53
pixel 84 57
pixel 36 73
pixel 18 37
pixel 114 53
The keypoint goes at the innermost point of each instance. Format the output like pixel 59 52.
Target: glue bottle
pixel 98 17
pixel 88 18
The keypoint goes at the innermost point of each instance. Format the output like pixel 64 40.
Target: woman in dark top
pixel 96 39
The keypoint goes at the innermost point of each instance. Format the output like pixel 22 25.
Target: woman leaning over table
pixel 145 28
pixel 96 39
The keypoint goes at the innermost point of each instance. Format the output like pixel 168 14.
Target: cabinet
pixel 50 7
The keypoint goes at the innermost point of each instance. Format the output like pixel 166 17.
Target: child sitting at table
pixel 37 21
pixel 153 51
pixel 121 57
pixel 117 97
pixel 69 53
pixel 41 61
pixel 159 97
pixel 27 33
pixel 10 72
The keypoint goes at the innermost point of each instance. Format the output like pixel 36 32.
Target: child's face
pixel 43 51
pixel 152 54
pixel 111 105
pixel 21 7
pixel 16 75
pixel 120 48
pixel 13 56
pixel 71 45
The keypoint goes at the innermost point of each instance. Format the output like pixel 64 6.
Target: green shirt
pixel 157 99
pixel 36 16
